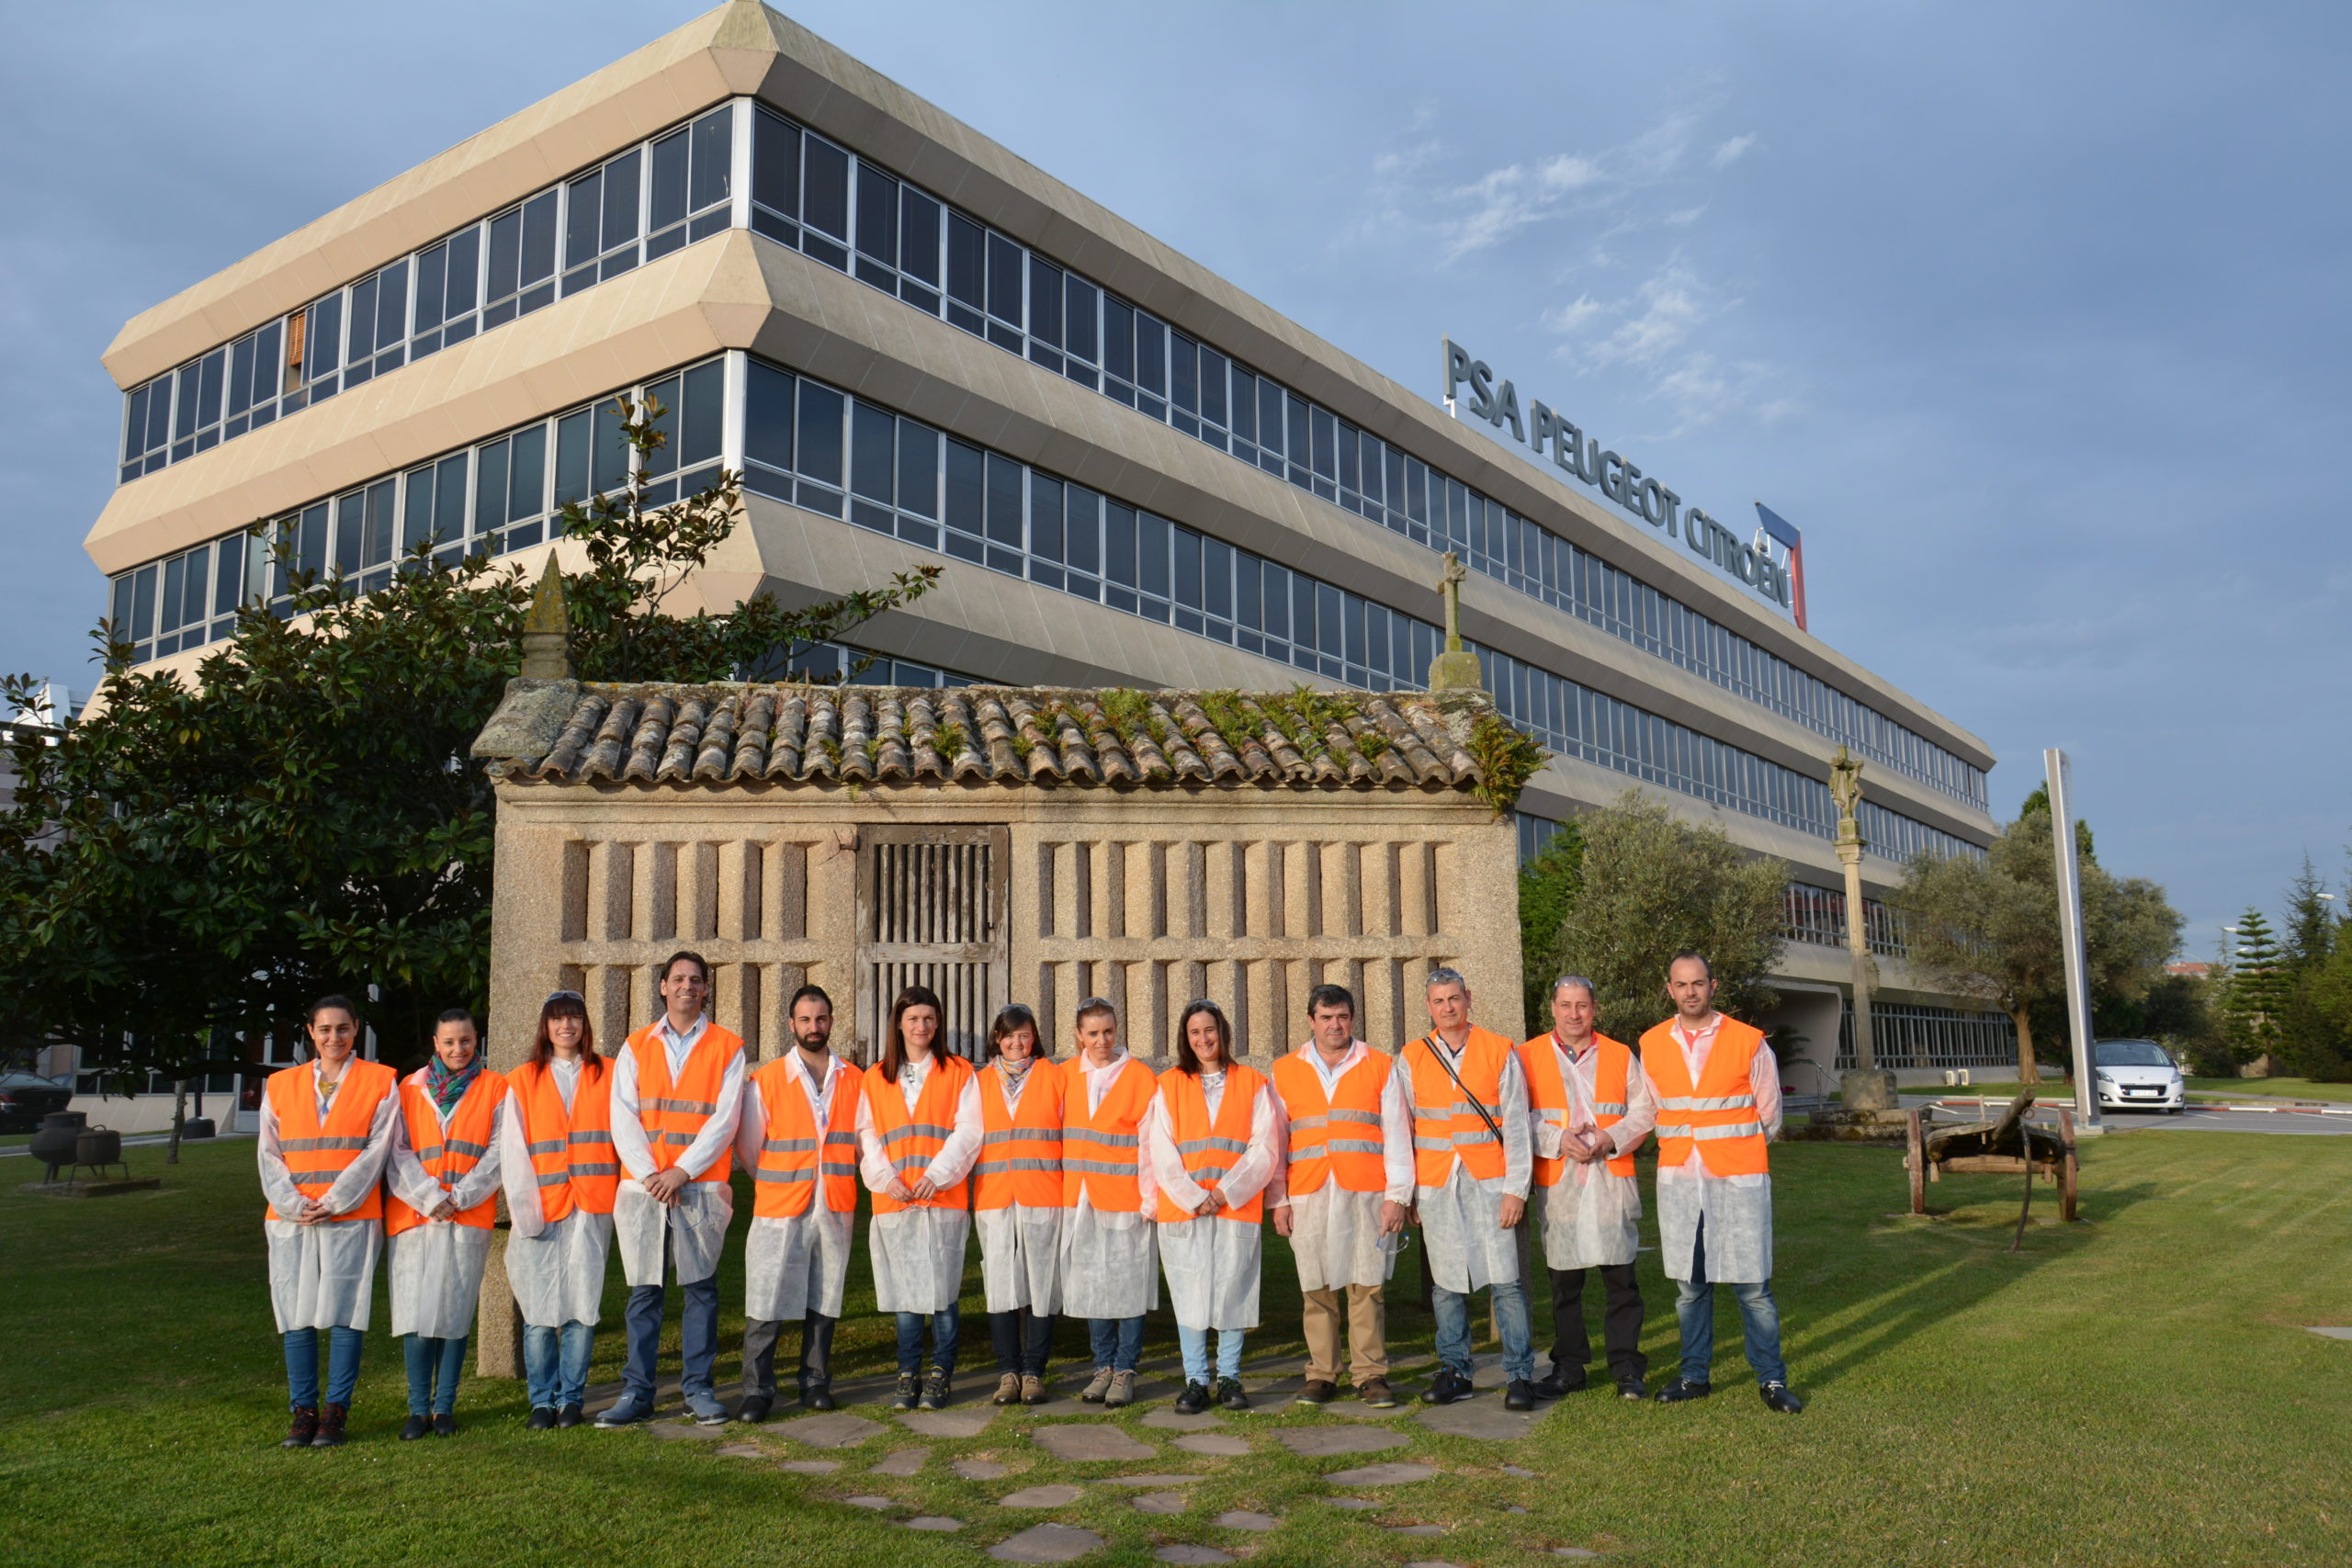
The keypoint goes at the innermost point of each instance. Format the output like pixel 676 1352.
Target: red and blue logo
pixel 1783 534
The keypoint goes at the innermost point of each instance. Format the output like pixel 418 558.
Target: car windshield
pixel 2131 1053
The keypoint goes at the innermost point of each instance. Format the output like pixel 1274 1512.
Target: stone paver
pixel 685 1431
pixel 1067 1405
pixel 835 1429
pixel 1079 1444
pixel 1316 1442
pixel 1381 1475
pixel 1146 1479
pixel 869 1501
pixel 1176 1421
pixel 906 1462
pixel 1046 1543
pixel 1356 1504
pixel 1357 1410
pixel 1061 1494
pixel 810 1466
pixel 1431 1562
pixel 1217 1445
pixel 1185 1552
pixel 1515 1470
pixel 1161 1502
pixel 969 1422
pixel 1243 1520
pixel 979 1469
pixel 1572 1551
pixel 1479 1419
pixel 741 1450
pixel 1417 1529
pixel 933 1522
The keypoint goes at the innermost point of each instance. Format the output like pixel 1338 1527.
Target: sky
pixel 2032 318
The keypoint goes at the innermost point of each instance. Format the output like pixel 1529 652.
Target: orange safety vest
pixel 316 1154
pixel 1100 1146
pixel 1447 1127
pixel 1020 1150
pixel 1338 1135
pixel 1210 1148
pixel 448 1153
pixel 1547 1091
pixel 911 1140
pixel 673 1114
pixel 1718 1112
pixel 572 1151
pixel 795 1159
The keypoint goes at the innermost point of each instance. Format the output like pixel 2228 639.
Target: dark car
pixel 26 1098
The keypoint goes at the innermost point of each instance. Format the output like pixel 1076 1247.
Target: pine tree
pixel 2259 983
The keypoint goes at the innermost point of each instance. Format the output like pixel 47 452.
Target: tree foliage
pixel 1653 885
pixel 1547 886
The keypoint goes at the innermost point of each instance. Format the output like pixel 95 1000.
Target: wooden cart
pixel 2011 1145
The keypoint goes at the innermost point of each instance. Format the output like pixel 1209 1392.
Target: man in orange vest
pixel 799 1138
pixel 677 1097
pixel 1718 1093
pixel 1590 1108
pixel 1466 1094
pixel 1348 1180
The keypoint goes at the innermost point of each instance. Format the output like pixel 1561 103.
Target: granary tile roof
pixel 570 732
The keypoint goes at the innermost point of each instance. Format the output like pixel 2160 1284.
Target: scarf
pixel 447 1088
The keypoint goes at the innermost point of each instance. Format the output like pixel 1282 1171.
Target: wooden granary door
pixel 931 911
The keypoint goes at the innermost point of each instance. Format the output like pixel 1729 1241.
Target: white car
pixel 2137 1074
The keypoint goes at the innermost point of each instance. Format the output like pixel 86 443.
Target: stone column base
pixel 1868 1088
pixel 498 1322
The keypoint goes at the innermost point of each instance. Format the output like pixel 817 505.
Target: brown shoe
pixel 305 1428
pixel 1033 1390
pixel 331 1423
pixel 1008 1389
pixel 1098 1387
pixel 1122 1391
pixel 1375 1393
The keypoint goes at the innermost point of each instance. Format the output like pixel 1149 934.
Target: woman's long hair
pixel 894 1044
pixel 566 1004
pixel 1184 1057
pixel 1015 1017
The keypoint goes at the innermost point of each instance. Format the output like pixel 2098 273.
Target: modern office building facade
pixel 919 348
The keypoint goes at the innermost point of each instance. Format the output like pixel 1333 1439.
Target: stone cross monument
pixel 1456 669
pixel 1865 1087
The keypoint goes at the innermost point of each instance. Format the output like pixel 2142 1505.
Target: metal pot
pixel 60 1131
pixel 98 1145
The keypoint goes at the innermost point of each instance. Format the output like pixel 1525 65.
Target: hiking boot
pixel 1229 1395
pixel 1318 1392
pixel 1032 1389
pixel 331 1423
pixel 416 1426
pixel 1008 1389
pixel 935 1390
pixel 304 1426
pixel 905 1397
pixel 1098 1386
pixel 1193 1400
pixel 1376 1393
pixel 1122 1391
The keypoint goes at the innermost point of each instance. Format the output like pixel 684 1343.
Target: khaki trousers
pixel 1367 1315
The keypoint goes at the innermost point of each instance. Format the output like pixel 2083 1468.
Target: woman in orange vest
pixel 443 1183
pixel 558 1163
pixel 1108 1276
pixel 919 1130
pixel 1017 1195
pixel 1215 1139
pixel 326 1130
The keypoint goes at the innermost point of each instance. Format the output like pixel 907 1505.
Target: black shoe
pixel 819 1397
pixel 1520 1395
pixel 415 1426
pixel 1446 1387
pixel 1229 1395
pixel 1631 1388
pixel 1678 1390
pixel 445 1426
pixel 1777 1397
pixel 1563 1382
pixel 1318 1392
pixel 755 1408
pixel 542 1419
pixel 935 1390
pixel 1193 1400
pixel 570 1415
pixel 905 1398
pixel 302 1428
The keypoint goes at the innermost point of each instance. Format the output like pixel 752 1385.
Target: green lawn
pixel 2270 1089
pixel 2135 1389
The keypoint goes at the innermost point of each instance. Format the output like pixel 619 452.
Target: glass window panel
pixel 621 177
pixel 1045 516
pixel 714 157
pixel 821 435
pixel 662 394
pixel 1187 576
pixel 877 214
pixel 1084 509
pixel 212 374
pixel 450 498
pixel 1245 404
pixel 767 417
pixel 391 305
pixel 1269 419
pixel 538 238
pixel 1324 434
pixel 1216 578
pixel 119 615
pixel 1184 374
pixel 363 318
pixel 1119 543
pixel 1118 338
pixel 610 453
pixel 967 261
pixel 918 469
pixel 1004 502
pixel 527 485
pixel 1080 302
pixel 571 443
pixel 668 201
pixel 872 455
pixel 489 488
pixel 1248 608
pixel 376 548
pixel 175 594
pixel 323 337
pixel 1212 376
pixel 918 235
pixel 583 218
pixel 967 487
pixel 775 164
pixel 700 421
pixel 1298 448
pixel 143 604
pixel 1044 301
pixel 1151 355
pixel 432 283
pixel 1005 279
pixel 465 261
pixel 825 195
pixel 1151 554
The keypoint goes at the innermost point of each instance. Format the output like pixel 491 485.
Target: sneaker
pixel 445 1426
pixel 755 1408
pixel 1519 1395
pixel 1317 1391
pixel 570 1415
pixel 1446 1387
pixel 1193 1400
pixel 1376 1393
pixel 627 1411
pixel 331 1423
pixel 905 1398
pixel 542 1419
pixel 302 1428
pixel 1778 1398
pixel 1032 1389
pixel 1008 1389
pixel 1122 1392
pixel 935 1391
pixel 1098 1386
pixel 1679 1390
pixel 1631 1388
pixel 1229 1395
pixel 415 1426
pixel 704 1406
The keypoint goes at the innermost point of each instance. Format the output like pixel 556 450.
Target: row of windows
pixel 1818 916
pixel 1903 1034
pixel 640 204
pixel 840 209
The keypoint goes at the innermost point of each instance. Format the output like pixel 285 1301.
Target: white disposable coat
pixel 1462 1221
pixel 1020 1244
pixel 918 1253
pixel 695 1227
pixel 436 1267
pixel 323 1275
pixel 556 1270
pixel 1214 1262
pixel 798 1263
pixel 1591 1215
pixel 1335 1233
pixel 1737 1210
pixel 1110 1266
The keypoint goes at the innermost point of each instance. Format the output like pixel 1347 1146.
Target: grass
pixel 2271 1088
pixel 2134 1389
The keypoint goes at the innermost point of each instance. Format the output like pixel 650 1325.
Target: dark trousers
pixel 697 1336
pixel 1022 1340
pixel 1620 1323
pixel 759 1336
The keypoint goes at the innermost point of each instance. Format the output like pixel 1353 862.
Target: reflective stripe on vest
pixel 1100 1143
pixel 1210 1147
pixel 674 1114
pixel 1021 1144
pixel 791 1168
pixel 1446 1126
pixel 911 1139
pixel 329 1147
pixel 1716 1116
pixel 457 1149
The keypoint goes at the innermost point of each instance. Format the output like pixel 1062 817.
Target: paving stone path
pixel 869 1501
pixel 1046 1543
pixel 1357 1410
pixel 835 1429
pixel 741 1450
pixel 1078 1444
pixel 906 1462
pixel 1146 1479
pixel 979 1469
pixel 1059 1496
pixel 1243 1520
pixel 1218 1445
pixel 1318 1442
pixel 1417 1529
pixel 1479 1419
pixel 1161 1502
pixel 810 1466
pixel 969 1422
pixel 1515 1470
pixel 1355 1505
pixel 1572 1551
pixel 1176 1421
pixel 933 1522
pixel 1381 1475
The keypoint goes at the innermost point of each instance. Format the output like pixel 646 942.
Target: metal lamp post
pixel 2070 932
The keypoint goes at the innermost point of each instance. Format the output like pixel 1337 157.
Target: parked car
pixel 2137 1074
pixel 26 1098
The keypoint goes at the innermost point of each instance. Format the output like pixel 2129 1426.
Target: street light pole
pixel 2070 932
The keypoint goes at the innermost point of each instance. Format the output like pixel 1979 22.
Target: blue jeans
pixel 945 1328
pixel 1194 1343
pixel 555 1363
pixel 697 1336
pixel 302 1366
pixel 1510 1316
pixel 434 1368
pixel 1760 1316
pixel 1117 1341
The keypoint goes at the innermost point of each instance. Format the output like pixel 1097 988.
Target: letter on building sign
pixel 1457 367
pixel 1539 426
pixel 1506 407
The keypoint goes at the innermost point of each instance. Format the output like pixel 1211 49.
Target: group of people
pixel 1086 1179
